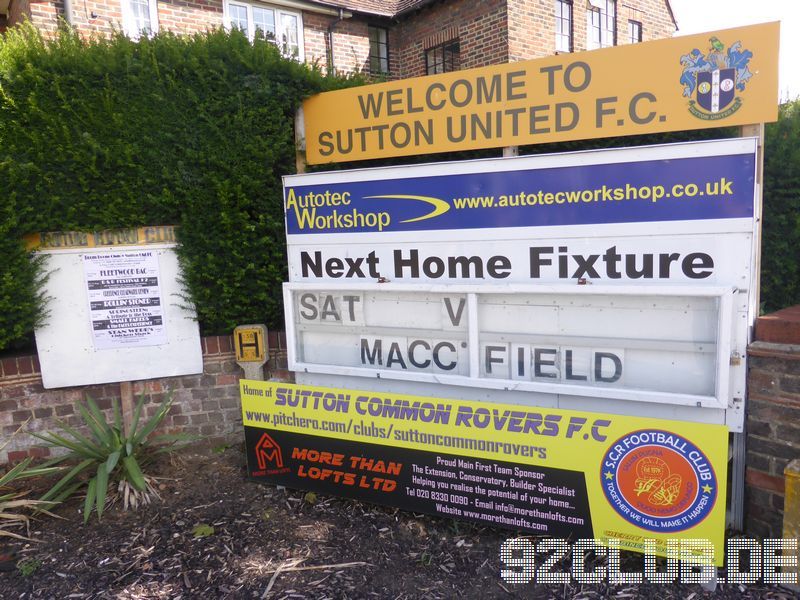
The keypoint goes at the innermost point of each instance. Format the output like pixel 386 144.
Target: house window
pixel 601 24
pixel 280 26
pixel 443 58
pixel 378 50
pixel 139 17
pixel 634 32
pixel 563 25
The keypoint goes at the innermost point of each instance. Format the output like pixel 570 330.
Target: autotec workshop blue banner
pixel 695 188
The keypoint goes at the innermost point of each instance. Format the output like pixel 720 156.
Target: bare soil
pixel 276 543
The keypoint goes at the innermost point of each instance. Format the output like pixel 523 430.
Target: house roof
pixel 672 15
pixel 385 8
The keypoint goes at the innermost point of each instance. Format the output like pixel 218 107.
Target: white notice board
pixel 115 314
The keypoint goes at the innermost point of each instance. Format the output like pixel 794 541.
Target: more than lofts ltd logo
pixel 269 457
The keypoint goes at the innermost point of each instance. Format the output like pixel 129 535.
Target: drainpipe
pixel 331 65
pixel 68 11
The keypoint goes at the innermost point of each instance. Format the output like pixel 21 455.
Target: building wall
pixel 654 16
pixel 480 27
pixel 489 31
pixel 206 404
pixel 531 30
pixel 350 42
pixel 44 14
pixel 315 31
pixel 179 16
pixel 189 16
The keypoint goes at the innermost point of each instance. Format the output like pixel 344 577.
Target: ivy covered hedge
pixel 188 131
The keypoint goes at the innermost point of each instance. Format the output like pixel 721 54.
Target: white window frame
pixel 608 35
pixel 559 6
pixel 129 22
pixel 635 26
pixel 277 11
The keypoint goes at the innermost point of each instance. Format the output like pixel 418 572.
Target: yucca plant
pixel 12 503
pixel 109 456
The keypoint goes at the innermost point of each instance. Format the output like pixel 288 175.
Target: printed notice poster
pixel 124 299
pixel 544 471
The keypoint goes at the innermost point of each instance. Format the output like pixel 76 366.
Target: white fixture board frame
pixel 733 242
pixel 715 405
pixel 66 351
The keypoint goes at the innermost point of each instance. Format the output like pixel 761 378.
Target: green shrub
pixel 194 131
pixel 780 238
pixel 12 501
pixel 111 457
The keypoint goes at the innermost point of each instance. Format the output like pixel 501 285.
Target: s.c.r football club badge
pixel 711 81
pixel 658 480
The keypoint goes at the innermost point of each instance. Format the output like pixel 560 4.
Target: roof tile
pixel 387 8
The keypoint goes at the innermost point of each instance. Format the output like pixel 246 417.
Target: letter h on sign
pixel 249 341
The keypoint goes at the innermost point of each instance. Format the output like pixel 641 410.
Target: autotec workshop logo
pixel 715 78
pixel 659 481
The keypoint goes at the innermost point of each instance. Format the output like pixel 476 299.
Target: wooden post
pixel 300 141
pixel 126 402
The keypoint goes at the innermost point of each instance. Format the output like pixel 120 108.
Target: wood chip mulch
pixel 214 534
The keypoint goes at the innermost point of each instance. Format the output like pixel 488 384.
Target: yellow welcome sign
pixel 715 79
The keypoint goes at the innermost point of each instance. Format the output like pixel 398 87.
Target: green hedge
pixel 196 132
pixel 780 236
pixel 189 131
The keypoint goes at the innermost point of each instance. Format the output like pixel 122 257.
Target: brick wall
pixel 189 16
pixel 315 41
pixel 479 25
pixel 773 418
pixel 531 30
pixel 351 43
pixel 206 404
pixel 654 16
pixel 44 14
pixel 179 16
pixel 351 46
pixel 108 16
pixel 489 31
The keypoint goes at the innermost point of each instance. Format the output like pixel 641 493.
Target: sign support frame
pixel 739 440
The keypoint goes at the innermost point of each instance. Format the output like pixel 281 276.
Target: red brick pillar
pixel 773 418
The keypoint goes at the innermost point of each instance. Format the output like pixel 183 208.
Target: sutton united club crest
pixel 713 79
